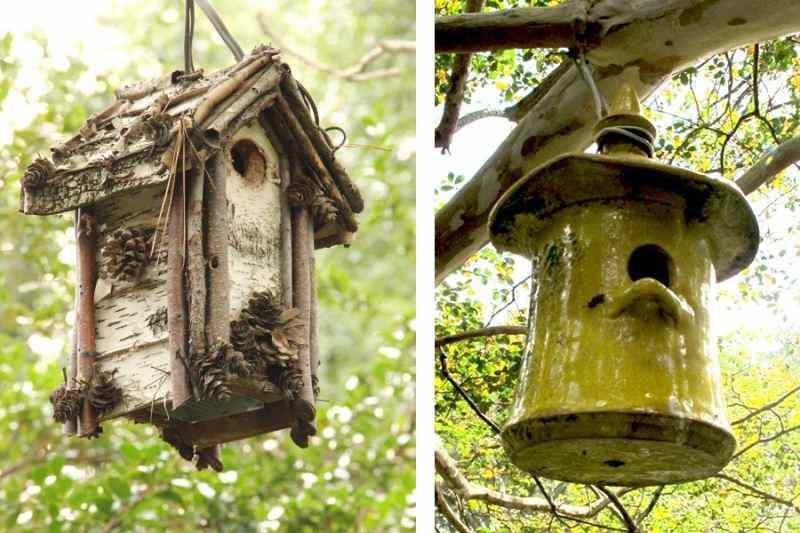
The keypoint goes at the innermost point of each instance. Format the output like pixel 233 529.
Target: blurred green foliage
pixel 358 474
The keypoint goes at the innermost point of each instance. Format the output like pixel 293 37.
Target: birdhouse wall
pixel 132 315
pixel 132 336
pixel 254 215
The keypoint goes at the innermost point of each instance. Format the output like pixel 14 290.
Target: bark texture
pixel 530 27
pixel 643 43
pixel 177 315
pixel 87 346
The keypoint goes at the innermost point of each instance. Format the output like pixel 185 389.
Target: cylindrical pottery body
pixel 620 382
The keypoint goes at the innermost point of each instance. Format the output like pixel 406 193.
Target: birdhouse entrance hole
pixel 248 161
pixel 650 261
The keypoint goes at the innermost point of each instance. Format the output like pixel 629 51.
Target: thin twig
pixel 766 407
pixel 356 72
pixel 446 373
pixel 765 440
pixel 640 518
pixel 448 512
pixel 626 518
pixel 758 491
pixel 481 332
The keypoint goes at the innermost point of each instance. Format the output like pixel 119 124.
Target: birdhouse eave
pixel 576 179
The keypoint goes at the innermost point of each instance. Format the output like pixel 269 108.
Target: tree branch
pixel 460 390
pixel 640 518
pixel 482 332
pixel 661 37
pixel 123 511
pixel 517 111
pixel 527 27
pixel 766 407
pixel 765 440
pixel 448 512
pixel 759 492
pixel 770 165
pixel 623 513
pixel 447 468
pixel 357 72
pixel 455 94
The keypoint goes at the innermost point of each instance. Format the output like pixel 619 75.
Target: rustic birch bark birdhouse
pixel 199 201
pixel 620 382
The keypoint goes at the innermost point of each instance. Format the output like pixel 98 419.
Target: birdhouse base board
pixel 267 419
pixel 208 409
pixel 611 448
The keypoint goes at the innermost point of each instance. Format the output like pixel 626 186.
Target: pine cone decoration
pixel 211 375
pixel 243 337
pixel 324 211
pixel 37 174
pixel 288 379
pixel 171 437
pixel 66 404
pixel 104 394
pixel 126 253
pixel 236 363
pixel 267 335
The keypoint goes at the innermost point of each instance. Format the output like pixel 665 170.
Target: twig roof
pixel 123 147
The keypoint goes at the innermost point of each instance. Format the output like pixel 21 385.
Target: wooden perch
pixel 661 37
pixel 478 333
pixel 87 335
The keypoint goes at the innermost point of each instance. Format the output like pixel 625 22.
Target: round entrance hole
pixel 614 463
pixel 248 161
pixel 650 261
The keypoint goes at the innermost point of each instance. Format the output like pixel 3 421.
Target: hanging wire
pixel 223 32
pixel 639 136
pixel 188 34
pixel 582 64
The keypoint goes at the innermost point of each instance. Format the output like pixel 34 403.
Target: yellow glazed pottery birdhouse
pixel 620 382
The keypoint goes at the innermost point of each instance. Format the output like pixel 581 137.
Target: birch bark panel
pixel 143 376
pixel 127 312
pixel 254 224
pixel 132 318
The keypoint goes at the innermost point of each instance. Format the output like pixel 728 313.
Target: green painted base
pixel 612 448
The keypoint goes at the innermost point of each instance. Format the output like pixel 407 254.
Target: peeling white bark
pixel 664 37
pixel 126 340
